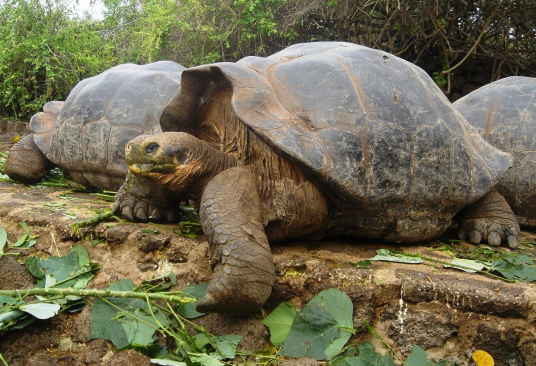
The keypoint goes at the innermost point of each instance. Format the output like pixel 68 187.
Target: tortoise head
pixel 175 161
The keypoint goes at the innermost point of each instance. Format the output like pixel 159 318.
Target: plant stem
pixel 96 293
pixel 3 360
pixel 94 219
pixel 373 332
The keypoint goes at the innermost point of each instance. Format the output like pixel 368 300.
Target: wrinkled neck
pixel 208 163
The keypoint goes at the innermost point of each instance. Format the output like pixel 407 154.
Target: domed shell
pixel 101 114
pixel 504 113
pixel 370 129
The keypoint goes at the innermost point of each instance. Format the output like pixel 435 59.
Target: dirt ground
pixel 448 313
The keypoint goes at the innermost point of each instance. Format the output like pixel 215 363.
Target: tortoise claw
pixel 512 241
pixel 141 214
pixel 172 216
pixel 127 213
pixel 475 236
pixel 512 237
pixel 206 304
pixel 116 207
pixel 494 239
pixel 156 215
pixel 462 233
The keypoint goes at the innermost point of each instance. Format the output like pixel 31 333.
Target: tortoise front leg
pixel 138 200
pixel 232 219
pixel 489 219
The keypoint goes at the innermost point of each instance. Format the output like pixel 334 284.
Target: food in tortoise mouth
pixel 504 113
pixel 320 139
pixel 86 135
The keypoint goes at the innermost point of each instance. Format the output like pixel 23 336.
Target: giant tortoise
pixel 504 113
pixel 86 134
pixel 320 139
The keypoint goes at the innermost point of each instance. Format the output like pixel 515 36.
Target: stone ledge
pixel 447 312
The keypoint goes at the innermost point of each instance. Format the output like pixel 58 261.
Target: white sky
pixel 80 7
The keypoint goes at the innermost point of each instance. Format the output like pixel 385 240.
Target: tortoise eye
pixel 151 148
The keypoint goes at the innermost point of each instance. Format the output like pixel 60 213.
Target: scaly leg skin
pixel 26 163
pixel 232 219
pixel 489 219
pixel 137 200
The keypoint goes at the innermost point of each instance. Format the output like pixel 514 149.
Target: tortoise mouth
pixel 144 168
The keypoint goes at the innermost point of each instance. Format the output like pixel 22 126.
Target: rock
pixel 81 325
pixel 255 334
pixel 118 234
pixel 148 242
pixel 95 352
pixel 414 325
pixel 14 275
pixel 128 357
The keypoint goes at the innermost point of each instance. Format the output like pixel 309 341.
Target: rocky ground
pixel 447 312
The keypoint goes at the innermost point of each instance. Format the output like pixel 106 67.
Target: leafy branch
pixel 511 267
pixel 167 296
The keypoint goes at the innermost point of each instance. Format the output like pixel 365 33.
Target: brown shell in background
pixel 87 134
pixel 504 113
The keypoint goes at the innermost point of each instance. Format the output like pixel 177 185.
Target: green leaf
pixel 140 326
pixel 8 318
pixel 467 265
pixel 3 240
pixel 279 322
pixel 25 241
pixel 388 256
pixel 419 358
pixel 73 270
pixel 227 344
pixel 166 362
pixel 104 321
pixel 32 264
pixel 22 239
pixel 151 350
pixel 366 264
pixel 362 356
pixel 515 266
pixel 41 310
pixel 322 327
pixel 197 292
pixel 204 359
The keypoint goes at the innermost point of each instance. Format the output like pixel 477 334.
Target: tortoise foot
pixel 136 208
pixel 489 220
pixel 236 291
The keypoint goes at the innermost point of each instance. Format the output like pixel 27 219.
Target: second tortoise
pixel 86 134
pixel 504 113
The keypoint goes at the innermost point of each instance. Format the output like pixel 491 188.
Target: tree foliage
pixel 44 51
pixel 439 35
pixel 46 48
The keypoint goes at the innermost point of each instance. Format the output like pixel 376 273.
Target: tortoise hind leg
pixel 489 219
pixel 231 216
pixel 26 163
